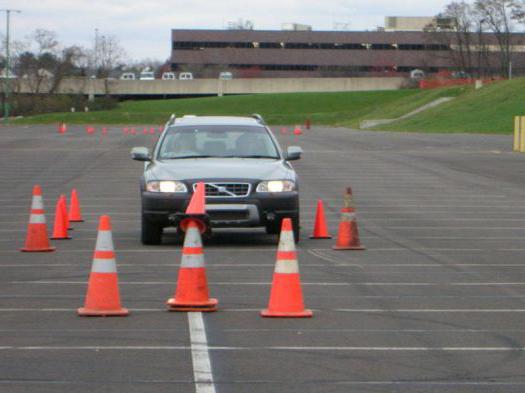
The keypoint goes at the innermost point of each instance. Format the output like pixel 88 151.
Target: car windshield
pixel 217 141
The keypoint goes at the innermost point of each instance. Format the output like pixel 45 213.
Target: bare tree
pixel 500 16
pixel 108 53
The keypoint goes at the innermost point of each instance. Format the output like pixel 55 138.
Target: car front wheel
pixel 151 234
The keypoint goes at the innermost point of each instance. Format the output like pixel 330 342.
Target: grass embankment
pixel 490 110
pixel 335 109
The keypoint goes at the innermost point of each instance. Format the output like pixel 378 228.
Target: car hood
pixel 219 168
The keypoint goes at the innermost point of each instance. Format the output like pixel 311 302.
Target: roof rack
pixel 171 120
pixel 259 118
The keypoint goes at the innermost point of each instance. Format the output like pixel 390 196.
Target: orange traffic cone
pixel 286 297
pixel 307 123
pixel 133 131
pixel 75 214
pixel 36 239
pixel 104 130
pixel 65 215
pixel 297 131
pixel 62 128
pixel 196 210
pixel 60 227
pixel 103 298
pixel 192 285
pixel 320 227
pixel 348 234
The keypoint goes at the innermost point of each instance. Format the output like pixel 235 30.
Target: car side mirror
pixel 140 154
pixel 293 153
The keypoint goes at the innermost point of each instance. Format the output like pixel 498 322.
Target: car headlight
pixel 276 186
pixel 166 186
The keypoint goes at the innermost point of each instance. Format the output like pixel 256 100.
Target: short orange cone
pixel 75 214
pixel 286 297
pixel 192 285
pixel 297 131
pixel 348 234
pixel 36 238
pixel 103 297
pixel 308 123
pixel 62 128
pixel 320 227
pixel 60 226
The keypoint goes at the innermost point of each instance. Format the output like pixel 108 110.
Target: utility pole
pixel 7 65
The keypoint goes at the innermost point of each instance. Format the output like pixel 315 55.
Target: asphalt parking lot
pixel 435 303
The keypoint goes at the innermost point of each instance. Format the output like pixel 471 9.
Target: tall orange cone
pixel 103 297
pixel 297 130
pixel 75 214
pixel 348 234
pixel 60 226
pixel 65 215
pixel 286 297
pixel 320 227
pixel 192 285
pixel 196 210
pixel 36 238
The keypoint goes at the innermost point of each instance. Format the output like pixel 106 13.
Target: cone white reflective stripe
pixel 192 238
pixel 286 241
pixel 37 202
pixel 104 265
pixel 37 219
pixel 192 260
pixel 287 266
pixel 192 254
pixel 345 216
pixel 104 241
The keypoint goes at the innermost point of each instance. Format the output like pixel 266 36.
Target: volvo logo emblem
pixel 222 189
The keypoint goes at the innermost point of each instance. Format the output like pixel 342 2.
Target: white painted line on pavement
pixel 259 348
pixel 202 372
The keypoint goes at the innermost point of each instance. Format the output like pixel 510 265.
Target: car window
pixel 217 141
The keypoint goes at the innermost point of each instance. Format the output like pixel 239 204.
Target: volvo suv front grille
pixel 226 190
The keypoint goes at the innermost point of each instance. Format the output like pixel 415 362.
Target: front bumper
pixel 258 209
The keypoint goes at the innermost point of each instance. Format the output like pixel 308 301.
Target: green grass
pixel 489 110
pixel 345 108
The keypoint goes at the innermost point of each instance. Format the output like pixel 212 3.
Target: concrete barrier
pixel 87 86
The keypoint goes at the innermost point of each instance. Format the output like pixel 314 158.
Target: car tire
pixel 151 234
pixel 275 228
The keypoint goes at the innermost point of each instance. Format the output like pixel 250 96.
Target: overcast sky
pixel 143 27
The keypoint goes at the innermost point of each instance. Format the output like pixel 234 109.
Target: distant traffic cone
pixel 60 226
pixel 145 131
pixel 104 130
pixel 103 297
pixel 320 227
pixel 152 131
pixel 133 131
pixel 297 131
pixel 348 234
pixel 307 123
pixel 192 285
pixel 74 214
pixel 284 131
pixel 125 130
pixel 62 128
pixel 286 297
pixel 36 238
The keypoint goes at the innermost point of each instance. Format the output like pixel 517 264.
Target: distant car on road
pixel 185 76
pixel 249 181
pixel 168 76
pixel 225 76
pixel 127 76
pixel 147 76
